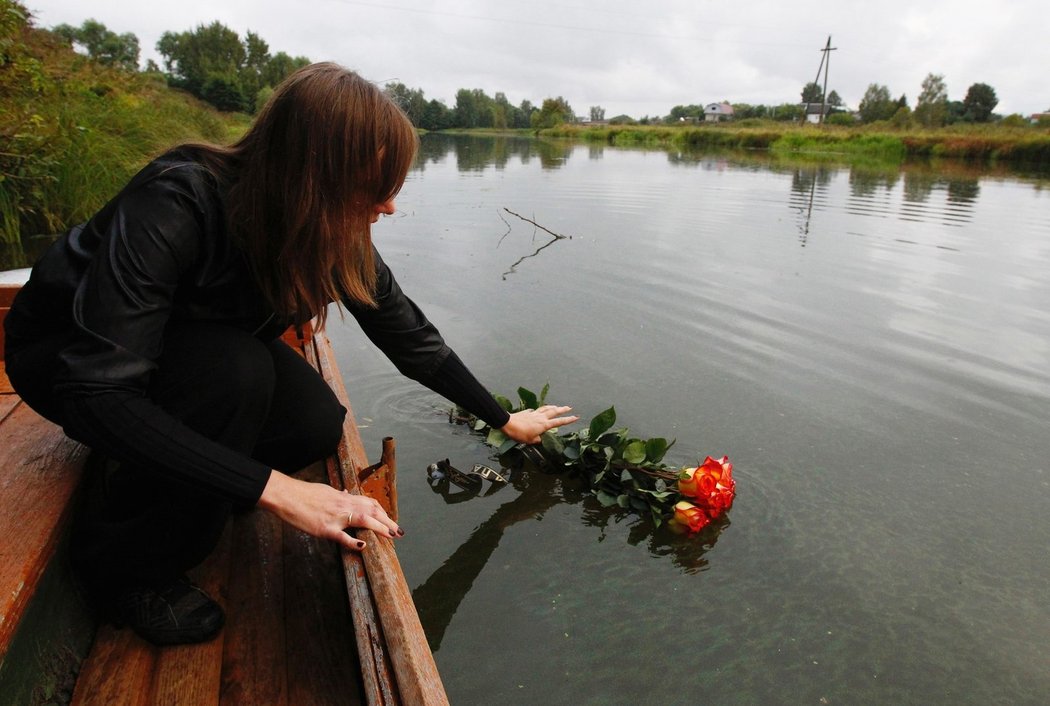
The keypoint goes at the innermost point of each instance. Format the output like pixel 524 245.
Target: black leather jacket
pixel 159 253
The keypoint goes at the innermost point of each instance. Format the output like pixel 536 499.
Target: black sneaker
pixel 177 614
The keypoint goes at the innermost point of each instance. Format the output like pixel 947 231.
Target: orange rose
pixel 690 516
pixel 714 479
pixel 717 469
pixel 687 483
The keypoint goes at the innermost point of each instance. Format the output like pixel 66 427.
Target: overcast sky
pixel 638 58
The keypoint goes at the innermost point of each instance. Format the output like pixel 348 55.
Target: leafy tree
pixel 554 111
pixel 410 100
pixel 954 112
pixel 979 103
pixel 902 118
pixel 834 100
pixel 280 66
pixel 523 116
pixel 213 63
pixel 209 52
pixel 253 72
pixel 931 109
pixel 787 112
pixel 501 111
pixel 436 116
pixel 474 108
pixel 876 104
pixel 103 45
pixel 597 113
pixel 224 92
pixel 685 112
pixel 812 93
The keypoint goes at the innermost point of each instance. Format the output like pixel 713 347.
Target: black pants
pixel 137 527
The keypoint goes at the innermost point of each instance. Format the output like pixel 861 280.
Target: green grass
pixel 73 132
pixel 1022 145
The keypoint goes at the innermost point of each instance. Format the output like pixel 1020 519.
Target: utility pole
pixel 826 61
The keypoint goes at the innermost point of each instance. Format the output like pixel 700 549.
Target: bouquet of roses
pixel 624 470
pixel 710 488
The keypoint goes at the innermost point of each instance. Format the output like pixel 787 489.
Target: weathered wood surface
pixel 39 472
pixel 415 672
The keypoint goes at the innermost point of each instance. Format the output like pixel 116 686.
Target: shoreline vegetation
pixel 1024 146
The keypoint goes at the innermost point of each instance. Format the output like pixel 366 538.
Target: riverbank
pixel 1022 145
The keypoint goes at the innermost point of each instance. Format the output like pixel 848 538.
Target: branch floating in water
pixel 529 220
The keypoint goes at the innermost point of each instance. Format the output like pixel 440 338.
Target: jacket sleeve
pixel 415 346
pixel 148 241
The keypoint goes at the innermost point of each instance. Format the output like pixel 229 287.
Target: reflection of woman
pixel 151 334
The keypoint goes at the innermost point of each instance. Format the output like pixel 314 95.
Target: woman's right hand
pixel 322 511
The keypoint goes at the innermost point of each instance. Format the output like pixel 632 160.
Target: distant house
pixel 813 110
pixel 717 112
pixel 1039 117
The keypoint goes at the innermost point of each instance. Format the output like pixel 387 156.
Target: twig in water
pixel 529 220
pixel 502 237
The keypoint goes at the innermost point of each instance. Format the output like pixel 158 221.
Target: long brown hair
pixel 323 152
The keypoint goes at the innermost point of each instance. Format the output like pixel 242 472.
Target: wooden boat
pixel 307 623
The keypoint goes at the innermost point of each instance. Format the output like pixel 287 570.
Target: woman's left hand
pixel 528 425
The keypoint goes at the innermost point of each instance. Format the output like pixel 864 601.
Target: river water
pixel 870 347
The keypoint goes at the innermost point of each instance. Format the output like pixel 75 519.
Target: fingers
pixel 367 513
pixel 348 542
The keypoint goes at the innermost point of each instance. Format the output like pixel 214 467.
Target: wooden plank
pixel 253 669
pixel 376 671
pixel 39 472
pixel 7 405
pixel 191 674
pixel 416 675
pixel 5 385
pixel 117 652
pixel 322 666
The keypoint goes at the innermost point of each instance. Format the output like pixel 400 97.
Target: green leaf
pixel 623 501
pixel 602 423
pixel 507 446
pixel 625 476
pixel 504 402
pixel 655 449
pixel 635 452
pixel 552 443
pixel 528 398
pixel 606 499
pixel 495 438
pixel 479 424
pixel 543 394
pixel 572 452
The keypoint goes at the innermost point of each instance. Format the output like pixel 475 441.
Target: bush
pixel 72 132
pixel 841 119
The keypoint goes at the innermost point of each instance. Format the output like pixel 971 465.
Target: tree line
pixel 232 73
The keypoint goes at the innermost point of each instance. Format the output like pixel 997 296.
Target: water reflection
pixel 475 153
pixel 438 598
pixel 555 237
pixel 803 190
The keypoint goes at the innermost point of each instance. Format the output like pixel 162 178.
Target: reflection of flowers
pixel 622 471
pixel 688 518
pixel 711 488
